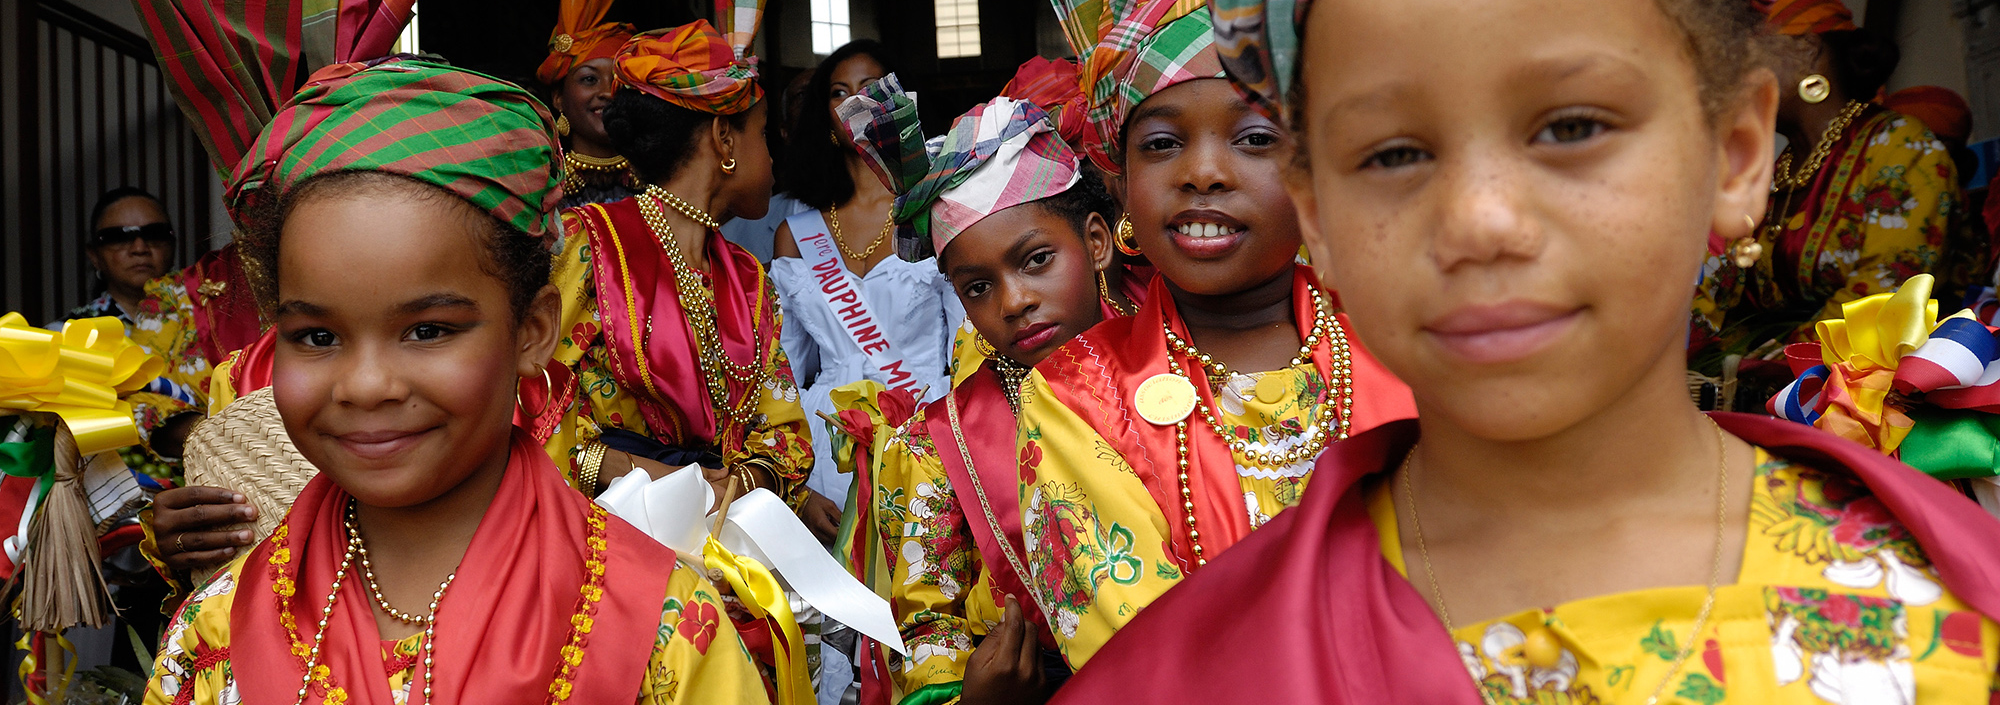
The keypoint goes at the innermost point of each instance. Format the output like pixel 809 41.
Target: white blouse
pixel 914 306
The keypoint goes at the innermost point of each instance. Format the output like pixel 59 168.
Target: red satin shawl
pixel 503 622
pixel 253 364
pixel 982 408
pixel 225 310
pixel 639 306
pixel 1312 607
pixel 1097 374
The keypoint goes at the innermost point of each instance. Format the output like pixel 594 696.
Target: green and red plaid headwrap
pixel 1129 50
pixel 486 140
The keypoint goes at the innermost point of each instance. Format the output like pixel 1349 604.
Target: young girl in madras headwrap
pixel 670 333
pixel 581 77
pixel 1863 198
pixel 1515 198
pixel 1152 443
pixel 1019 230
pixel 439 553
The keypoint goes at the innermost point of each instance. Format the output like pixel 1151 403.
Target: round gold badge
pixel 1272 388
pixel 562 43
pixel 1164 399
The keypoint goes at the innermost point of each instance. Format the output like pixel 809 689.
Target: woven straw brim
pixel 245 448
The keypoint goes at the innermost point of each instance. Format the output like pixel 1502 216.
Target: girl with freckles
pixel 400 212
pixel 1152 443
pixel 1515 197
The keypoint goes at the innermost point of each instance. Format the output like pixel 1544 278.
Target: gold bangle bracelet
pixel 590 464
pixel 747 474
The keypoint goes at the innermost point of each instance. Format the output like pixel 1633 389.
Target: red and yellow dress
pixel 1106 516
pixel 632 360
pixel 555 601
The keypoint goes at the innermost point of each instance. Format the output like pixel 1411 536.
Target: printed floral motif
pixel 1833 521
pixel 930 548
pixel 1852 648
pixel 1501 667
pixel 1064 555
pixel 698 625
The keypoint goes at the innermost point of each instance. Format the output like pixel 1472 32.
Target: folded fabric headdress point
pixel 486 140
pixel 1155 45
pixel 1051 84
pixel 693 66
pixel 1793 18
pixel 1001 154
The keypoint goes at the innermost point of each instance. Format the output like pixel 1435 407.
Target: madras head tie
pixel 1258 44
pixel 483 139
pixel 77 375
pixel 1161 44
pixel 1890 371
pixel 1793 18
pixel 692 66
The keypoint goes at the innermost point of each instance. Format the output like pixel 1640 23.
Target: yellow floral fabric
pixel 165 326
pixel 1898 204
pixel 1835 603
pixel 600 401
pixel 1097 541
pixel 682 669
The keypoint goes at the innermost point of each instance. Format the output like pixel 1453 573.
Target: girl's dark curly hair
pixel 520 261
pixel 815 169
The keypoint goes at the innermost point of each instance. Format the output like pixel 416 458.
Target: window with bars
pixel 957 28
pixel 830 26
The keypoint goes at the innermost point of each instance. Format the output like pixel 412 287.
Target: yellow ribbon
pixel 78 375
pixel 31 663
pixel 1875 332
pixel 761 595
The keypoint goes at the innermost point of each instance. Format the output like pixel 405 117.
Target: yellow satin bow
pixel 761 595
pixel 78 375
pixel 1862 350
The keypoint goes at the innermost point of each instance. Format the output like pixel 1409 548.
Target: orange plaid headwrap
pixel 1794 18
pixel 1938 108
pixel 581 35
pixel 690 66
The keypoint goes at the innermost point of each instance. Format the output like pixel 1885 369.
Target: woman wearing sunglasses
pixel 130 242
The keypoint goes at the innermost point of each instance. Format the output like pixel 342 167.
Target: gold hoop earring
pixel 562 124
pixel 1814 89
pixel 1126 241
pixel 982 347
pixel 729 167
pixel 523 406
pixel 1746 250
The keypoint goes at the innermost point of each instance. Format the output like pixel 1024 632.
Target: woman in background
pixel 581 79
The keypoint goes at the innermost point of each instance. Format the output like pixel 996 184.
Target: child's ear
pixel 1097 239
pixel 723 138
pixel 537 333
pixel 1745 137
pixel 1299 185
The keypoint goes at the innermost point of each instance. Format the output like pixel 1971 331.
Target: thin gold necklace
pixel 833 219
pixel 1707 602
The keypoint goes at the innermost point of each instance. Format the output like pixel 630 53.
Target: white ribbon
pixel 673 510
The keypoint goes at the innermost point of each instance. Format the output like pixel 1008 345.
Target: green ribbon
pixel 32 456
pixel 1953 444
pixel 934 694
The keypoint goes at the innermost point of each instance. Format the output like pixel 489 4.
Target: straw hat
pixel 245 448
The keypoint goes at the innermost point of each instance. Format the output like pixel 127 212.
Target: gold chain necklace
pixel 1714 571
pixel 833 219
pixel 1783 177
pixel 698 307
pixel 1343 383
pixel 1011 375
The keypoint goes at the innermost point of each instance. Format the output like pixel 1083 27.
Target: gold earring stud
pixel 1815 89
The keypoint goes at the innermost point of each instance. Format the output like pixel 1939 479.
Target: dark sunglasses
pixel 155 233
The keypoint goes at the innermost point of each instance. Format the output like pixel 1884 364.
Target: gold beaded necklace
pixel 356 546
pixel 1343 383
pixel 577 164
pixel 1783 177
pixel 839 240
pixel 698 307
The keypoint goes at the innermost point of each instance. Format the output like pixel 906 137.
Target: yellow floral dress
pixel 681 669
pixel 1097 540
pixel 1835 603
pixel 781 435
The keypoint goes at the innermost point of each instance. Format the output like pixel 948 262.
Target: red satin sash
pixel 1311 606
pixel 252 370
pixel 982 407
pixel 225 310
pixel 1096 375
pixel 504 622
pixel 653 349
